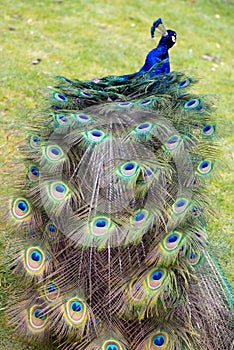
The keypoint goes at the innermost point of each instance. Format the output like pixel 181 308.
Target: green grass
pixel 85 39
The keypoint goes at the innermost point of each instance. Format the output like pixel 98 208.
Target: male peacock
pixel 111 249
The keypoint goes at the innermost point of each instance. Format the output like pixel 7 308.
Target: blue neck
pixel 155 57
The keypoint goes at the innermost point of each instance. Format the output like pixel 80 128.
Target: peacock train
pixel 109 246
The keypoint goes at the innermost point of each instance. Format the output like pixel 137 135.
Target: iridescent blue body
pixel 158 57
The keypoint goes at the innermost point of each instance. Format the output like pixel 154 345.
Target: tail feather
pixel 111 221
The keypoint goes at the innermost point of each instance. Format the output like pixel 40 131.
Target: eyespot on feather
pixel 62 120
pixel 159 341
pixel 34 141
pixel 51 291
pixel 32 235
pixel 21 209
pixel 173 142
pixel 124 104
pixel 59 191
pixel 83 118
pixel 57 96
pixel 128 170
pixel 60 77
pixel 180 206
pixel 144 128
pixel 195 103
pixel 51 231
pixel 205 167
pixel 184 83
pixel 33 173
pixel 95 136
pixel 208 130
pixel 111 344
pixel 139 219
pixel 53 153
pixel 75 312
pixel 146 102
pixel 196 212
pixel 37 319
pixel 86 94
pixel 34 260
pixel 201 236
pixel 156 278
pixel 171 78
pixel 172 241
pixel 99 226
pixel 148 175
pixel 194 258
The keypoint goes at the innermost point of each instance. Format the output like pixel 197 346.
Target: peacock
pixel 109 247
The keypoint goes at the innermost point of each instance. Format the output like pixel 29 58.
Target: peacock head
pixel 168 36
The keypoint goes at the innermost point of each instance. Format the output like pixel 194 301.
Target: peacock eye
pixel 144 128
pixel 139 218
pixel 100 226
pixel 156 278
pixel 83 118
pixel 76 306
pixel 63 119
pixel 196 212
pixel 208 130
pixel 201 235
pixel 53 153
pixel 148 175
pixel 172 240
pixel 95 136
pixel 21 209
pixel 180 206
pixel 32 234
pixel 111 345
pixel 173 142
pixel 184 83
pixel 204 167
pixel 124 104
pixel 159 341
pixel 33 173
pixel 37 318
pixel 86 94
pixel 34 141
pixel 59 97
pixel 128 170
pixel 194 258
pixel 146 102
pixel 38 313
pixel 34 260
pixel 156 275
pixel 52 231
pixel 75 311
pixel 51 292
pixel 59 191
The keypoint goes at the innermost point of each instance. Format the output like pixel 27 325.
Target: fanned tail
pixel 112 247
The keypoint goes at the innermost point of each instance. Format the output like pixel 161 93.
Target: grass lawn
pixel 85 39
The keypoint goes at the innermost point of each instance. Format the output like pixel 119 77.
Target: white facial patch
pixel 173 38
